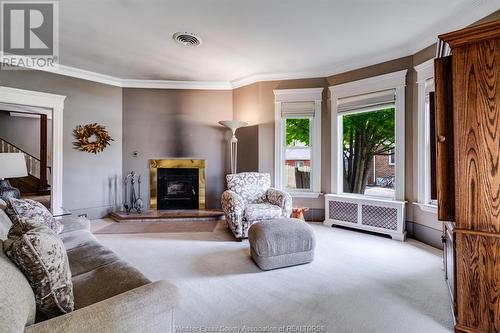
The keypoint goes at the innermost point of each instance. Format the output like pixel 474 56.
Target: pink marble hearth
pixel 169 215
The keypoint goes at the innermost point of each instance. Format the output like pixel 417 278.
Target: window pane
pixel 368 142
pixel 298 153
pixel 432 145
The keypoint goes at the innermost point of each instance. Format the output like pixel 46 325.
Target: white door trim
pixel 56 104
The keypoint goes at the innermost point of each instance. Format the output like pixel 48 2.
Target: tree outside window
pixel 368 141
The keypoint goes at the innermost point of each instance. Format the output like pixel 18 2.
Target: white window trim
pixel 298 95
pixel 389 160
pixel 374 170
pixel 396 81
pixel 425 71
pixel 56 104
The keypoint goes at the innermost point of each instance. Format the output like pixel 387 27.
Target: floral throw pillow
pixel 40 254
pixel 33 210
pixel 21 225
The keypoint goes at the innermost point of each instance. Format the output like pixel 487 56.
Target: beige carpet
pixel 357 283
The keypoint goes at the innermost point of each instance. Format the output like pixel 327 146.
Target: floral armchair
pixel 249 199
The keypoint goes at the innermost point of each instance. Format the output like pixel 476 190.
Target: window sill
pixel 427 207
pixel 313 195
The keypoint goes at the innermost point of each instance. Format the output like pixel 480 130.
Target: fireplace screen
pixel 178 188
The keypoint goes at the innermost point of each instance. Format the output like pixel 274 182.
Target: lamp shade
pixel 12 165
pixel 233 125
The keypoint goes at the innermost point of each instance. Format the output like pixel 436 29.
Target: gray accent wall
pixel 169 123
pixel 91 183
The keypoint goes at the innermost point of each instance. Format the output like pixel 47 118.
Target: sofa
pixel 109 294
pixel 249 198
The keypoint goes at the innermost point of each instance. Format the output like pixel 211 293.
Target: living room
pixel 226 166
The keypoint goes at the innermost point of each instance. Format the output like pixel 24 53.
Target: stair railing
pixel 32 163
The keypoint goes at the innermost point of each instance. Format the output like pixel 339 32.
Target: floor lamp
pixel 233 125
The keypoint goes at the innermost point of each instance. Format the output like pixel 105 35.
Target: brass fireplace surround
pixel 176 163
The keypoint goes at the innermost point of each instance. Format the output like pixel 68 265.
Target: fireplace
pixel 177 188
pixel 177 184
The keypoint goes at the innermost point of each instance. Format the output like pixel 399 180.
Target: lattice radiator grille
pixel 343 211
pixel 379 217
pixel 386 217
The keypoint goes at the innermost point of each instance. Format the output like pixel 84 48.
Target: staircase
pixel 31 184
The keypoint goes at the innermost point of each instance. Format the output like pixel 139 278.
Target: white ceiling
pixel 249 40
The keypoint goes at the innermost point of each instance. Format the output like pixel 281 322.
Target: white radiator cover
pixel 377 215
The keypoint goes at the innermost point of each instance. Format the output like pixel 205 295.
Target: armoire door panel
pixel 476 91
pixel 478 280
pixel 445 180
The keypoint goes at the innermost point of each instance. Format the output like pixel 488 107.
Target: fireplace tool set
pixel 134 202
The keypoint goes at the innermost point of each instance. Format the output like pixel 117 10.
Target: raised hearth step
pixel 169 215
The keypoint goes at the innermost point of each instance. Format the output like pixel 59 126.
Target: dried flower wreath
pixel 91 138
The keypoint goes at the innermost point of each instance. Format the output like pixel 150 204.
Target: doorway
pixel 30 133
pixel 47 168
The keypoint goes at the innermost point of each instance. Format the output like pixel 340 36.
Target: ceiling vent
pixel 187 38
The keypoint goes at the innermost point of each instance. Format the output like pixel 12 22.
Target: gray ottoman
pixel 281 243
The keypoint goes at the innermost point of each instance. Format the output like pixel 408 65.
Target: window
pixel 429 147
pixel 432 149
pixel 368 137
pixel 298 141
pixel 426 171
pixel 297 153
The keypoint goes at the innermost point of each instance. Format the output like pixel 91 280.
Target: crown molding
pixel 369 60
pixel 132 83
pixel 84 75
pixel 338 68
pixel 251 79
pixel 167 84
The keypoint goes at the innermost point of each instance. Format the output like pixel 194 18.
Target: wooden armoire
pixel 468 172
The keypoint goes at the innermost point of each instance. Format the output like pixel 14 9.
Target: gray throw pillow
pixel 33 210
pixel 40 254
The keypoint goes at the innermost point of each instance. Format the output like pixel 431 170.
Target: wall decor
pixel 91 138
